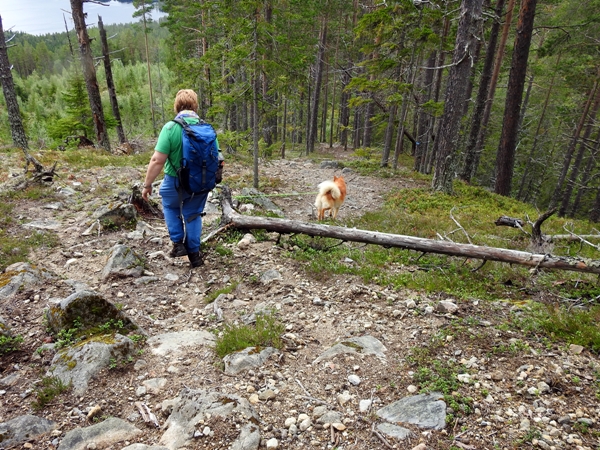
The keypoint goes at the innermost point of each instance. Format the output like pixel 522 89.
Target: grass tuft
pixel 265 333
pixel 47 390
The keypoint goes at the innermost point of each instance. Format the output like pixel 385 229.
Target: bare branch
pixel 459 225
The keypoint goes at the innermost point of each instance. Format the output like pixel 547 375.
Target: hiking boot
pixel 178 250
pixel 196 259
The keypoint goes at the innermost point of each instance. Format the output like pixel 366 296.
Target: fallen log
pixel 505 221
pixel 232 218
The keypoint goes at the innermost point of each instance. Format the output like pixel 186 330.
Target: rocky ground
pixel 527 394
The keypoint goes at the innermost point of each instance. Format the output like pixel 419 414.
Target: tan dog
pixel 330 197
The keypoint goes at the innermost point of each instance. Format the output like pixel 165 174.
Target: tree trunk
pixel 422 138
pixel 17 130
pixel 368 129
pixel 410 78
pixel 492 90
pixel 324 108
pixel 356 128
pixel 505 156
pixel 110 83
pixel 344 108
pixel 148 67
pixel 572 144
pixel 579 157
pixel 319 67
pixel 389 135
pixel 269 115
pixel 468 170
pixel 587 175
pixel 458 79
pixel 335 79
pixel 284 127
pixel 430 157
pixel 89 74
pixel 530 159
pixel 255 87
pixel 595 212
pixel 528 259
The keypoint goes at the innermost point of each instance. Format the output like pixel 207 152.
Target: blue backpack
pixel 197 173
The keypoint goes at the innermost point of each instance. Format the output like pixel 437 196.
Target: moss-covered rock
pixel 86 310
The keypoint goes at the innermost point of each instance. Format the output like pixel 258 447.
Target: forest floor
pixel 510 406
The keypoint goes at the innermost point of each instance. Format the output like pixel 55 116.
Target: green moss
pixel 353 345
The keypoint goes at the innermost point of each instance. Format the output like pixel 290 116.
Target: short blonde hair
pixel 186 99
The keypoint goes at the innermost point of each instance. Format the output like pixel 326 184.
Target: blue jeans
pixel 188 233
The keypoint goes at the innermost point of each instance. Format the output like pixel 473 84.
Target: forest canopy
pixel 373 77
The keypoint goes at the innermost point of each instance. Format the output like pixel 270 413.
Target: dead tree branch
pixel 529 259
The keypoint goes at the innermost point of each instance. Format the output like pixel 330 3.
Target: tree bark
pixel 369 110
pixel 89 73
pixel 112 93
pixel 230 217
pixel 458 80
pixel 505 156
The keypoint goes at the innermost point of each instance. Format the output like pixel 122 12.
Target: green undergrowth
pixel 432 373
pixel 211 297
pixel 10 344
pixel 47 390
pixel 266 332
pixel 562 323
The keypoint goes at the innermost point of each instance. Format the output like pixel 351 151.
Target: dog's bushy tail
pixel 329 187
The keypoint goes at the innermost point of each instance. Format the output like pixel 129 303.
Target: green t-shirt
pixel 170 143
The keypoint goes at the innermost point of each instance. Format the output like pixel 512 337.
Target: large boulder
pixel 123 262
pixel 193 406
pixel 86 309
pixel 21 275
pixel 423 410
pixel 24 428
pixel 249 358
pixel 102 435
pixel 77 365
pixel 116 215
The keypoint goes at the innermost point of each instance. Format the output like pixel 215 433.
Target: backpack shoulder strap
pixel 181 122
pixel 186 126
